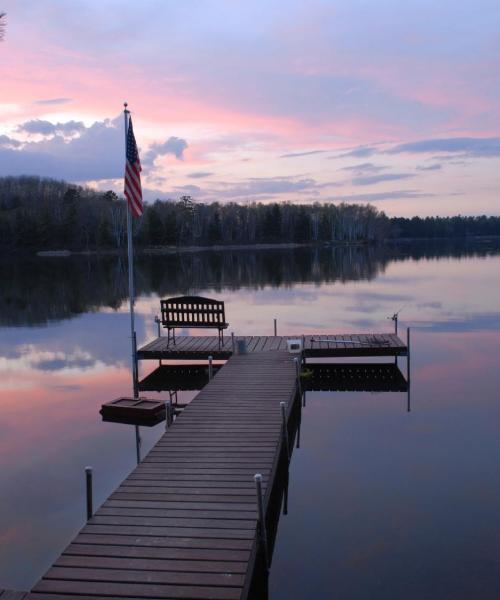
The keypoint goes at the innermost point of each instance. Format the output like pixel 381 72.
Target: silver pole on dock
pixel 233 343
pixel 297 373
pixel 137 444
pixel 168 413
pixel 210 368
pixel 408 354
pixel 262 520
pixel 88 485
pixel 285 429
pixel 135 370
pixel 275 327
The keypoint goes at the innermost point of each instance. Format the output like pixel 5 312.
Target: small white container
pixel 294 346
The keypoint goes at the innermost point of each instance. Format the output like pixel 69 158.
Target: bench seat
pixel 193 312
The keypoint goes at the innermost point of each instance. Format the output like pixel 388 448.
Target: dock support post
pixel 262 520
pixel 158 325
pixel 233 344
pixel 285 494
pixel 285 429
pixel 135 370
pixel 395 319
pixel 88 485
pixel 275 327
pixel 137 444
pixel 408 354
pixel 297 372
pixel 210 368
pixel 168 413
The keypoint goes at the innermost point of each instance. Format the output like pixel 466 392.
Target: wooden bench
pixel 193 312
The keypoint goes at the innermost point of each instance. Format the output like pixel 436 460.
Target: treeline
pixel 444 227
pixel 45 214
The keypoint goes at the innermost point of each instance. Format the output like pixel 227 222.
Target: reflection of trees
pixel 36 291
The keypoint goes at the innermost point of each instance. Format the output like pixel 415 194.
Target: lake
pixel 382 502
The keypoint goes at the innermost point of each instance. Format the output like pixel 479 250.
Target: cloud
pixel 360 152
pixel 53 101
pixel 474 147
pixel 372 179
pixel 173 145
pixel 380 196
pixel 364 168
pixel 96 153
pixel 435 167
pixel 254 188
pixel 309 153
pixel 199 174
pixel 8 142
pixel 259 186
pixel 47 128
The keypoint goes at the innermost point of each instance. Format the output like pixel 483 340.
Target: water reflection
pixel 91 283
pixel 399 504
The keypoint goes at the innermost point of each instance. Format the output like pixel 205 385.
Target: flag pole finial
pixel 125 104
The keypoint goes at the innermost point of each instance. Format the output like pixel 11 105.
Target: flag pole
pixel 131 292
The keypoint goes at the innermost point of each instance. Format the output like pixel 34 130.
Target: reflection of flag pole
pixel 133 193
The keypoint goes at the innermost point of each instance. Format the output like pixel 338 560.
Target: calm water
pixel 383 503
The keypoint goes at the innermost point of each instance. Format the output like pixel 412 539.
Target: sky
pixel 387 102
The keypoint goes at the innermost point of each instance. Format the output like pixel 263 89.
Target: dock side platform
pixel 314 346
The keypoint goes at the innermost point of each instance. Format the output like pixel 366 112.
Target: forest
pixel 46 214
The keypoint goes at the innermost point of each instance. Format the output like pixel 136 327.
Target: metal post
pixel 210 368
pixel 262 521
pixel 168 405
pixel 297 372
pixel 285 495
pixel 233 344
pixel 137 444
pixel 158 324
pixel 408 355
pixel 275 327
pixel 88 482
pixel 395 319
pixel 136 366
pixel 285 429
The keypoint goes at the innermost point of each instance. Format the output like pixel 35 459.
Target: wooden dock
pixel 346 345
pixel 184 522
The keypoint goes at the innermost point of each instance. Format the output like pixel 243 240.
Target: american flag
pixel 133 189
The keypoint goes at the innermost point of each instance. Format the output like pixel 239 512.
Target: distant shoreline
pixel 162 250
pixel 178 249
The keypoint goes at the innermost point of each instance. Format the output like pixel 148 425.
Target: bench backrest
pixel 192 311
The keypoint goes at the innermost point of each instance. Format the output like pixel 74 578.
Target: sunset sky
pixel 393 103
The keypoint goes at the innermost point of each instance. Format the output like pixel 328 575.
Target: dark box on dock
pixel 134 411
